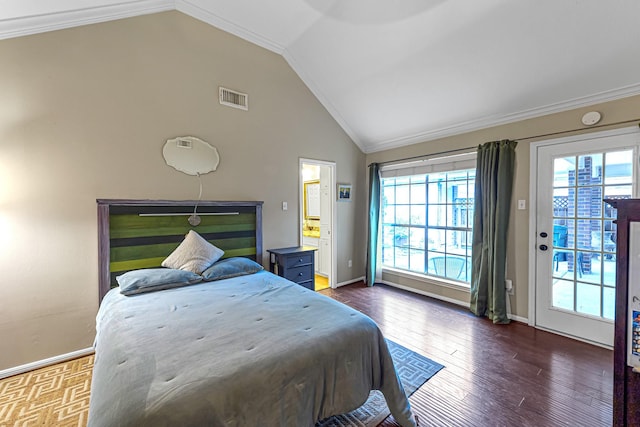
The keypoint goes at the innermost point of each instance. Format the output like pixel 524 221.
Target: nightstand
pixel 295 264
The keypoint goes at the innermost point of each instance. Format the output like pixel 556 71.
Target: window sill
pixel 432 280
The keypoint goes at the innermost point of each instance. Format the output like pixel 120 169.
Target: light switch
pixel 522 205
pixel 284 206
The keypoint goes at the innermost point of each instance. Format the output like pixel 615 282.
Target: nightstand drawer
pixel 309 284
pixel 299 274
pixel 301 259
pixel 295 264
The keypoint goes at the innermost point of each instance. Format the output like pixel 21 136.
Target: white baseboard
pixel 519 319
pixel 45 362
pixel 348 282
pixel 427 294
pixel 446 299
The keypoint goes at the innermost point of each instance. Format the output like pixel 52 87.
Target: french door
pixel 575 240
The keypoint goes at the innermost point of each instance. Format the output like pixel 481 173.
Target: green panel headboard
pixel 137 234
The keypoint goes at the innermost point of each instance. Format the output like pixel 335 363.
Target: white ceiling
pixel 394 73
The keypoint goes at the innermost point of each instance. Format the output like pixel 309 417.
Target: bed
pixel 247 350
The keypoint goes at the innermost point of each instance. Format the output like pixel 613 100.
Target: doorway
pixel 574 233
pixel 317 217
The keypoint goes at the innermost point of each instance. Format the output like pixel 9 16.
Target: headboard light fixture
pixel 194 219
pixel 192 156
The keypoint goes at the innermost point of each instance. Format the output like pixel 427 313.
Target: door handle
pixel 543 247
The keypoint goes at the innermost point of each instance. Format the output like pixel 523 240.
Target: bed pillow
pixel 155 279
pixel 194 254
pixel 231 267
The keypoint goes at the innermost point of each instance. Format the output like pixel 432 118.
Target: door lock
pixel 543 247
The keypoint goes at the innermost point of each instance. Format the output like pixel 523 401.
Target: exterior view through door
pixel 575 232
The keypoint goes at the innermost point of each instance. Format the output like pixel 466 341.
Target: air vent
pixel 183 143
pixel 234 99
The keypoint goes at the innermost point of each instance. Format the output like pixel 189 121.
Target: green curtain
pixel 374 223
pixel 494 182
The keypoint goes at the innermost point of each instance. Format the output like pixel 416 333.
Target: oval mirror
pixel 191 155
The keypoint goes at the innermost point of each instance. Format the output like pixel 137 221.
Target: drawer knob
pixel 300 274
pixel 300 260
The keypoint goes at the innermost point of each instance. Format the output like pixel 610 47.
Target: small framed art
pixel 344 192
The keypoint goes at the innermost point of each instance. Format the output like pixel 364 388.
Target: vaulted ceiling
pixel 394 73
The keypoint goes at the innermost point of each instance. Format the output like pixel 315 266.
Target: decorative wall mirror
pixel 312 200
pixel 191 155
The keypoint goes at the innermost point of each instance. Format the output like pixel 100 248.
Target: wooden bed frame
pixel 135 234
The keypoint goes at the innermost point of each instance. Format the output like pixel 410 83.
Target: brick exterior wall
pixel 587 204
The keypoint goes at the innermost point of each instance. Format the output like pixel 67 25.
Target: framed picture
pixel 344 192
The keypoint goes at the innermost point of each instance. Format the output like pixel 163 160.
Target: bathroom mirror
pixel 191 155
pixel 312 200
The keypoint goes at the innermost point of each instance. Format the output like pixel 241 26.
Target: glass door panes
pixel 584 232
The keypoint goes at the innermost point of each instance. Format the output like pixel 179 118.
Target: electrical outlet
pixel 350 264
pixel 508 284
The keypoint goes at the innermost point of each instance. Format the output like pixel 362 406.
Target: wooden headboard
pixel 135 234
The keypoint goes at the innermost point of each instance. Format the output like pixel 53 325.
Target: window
pixel 427 217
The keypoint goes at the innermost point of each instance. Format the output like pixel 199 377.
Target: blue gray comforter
pixel 254 350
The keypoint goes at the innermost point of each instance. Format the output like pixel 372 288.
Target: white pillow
pixel 193 254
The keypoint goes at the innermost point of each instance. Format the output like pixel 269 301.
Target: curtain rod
pixel 440 153
pixel 428 156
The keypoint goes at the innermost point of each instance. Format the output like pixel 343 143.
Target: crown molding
pixel 315 89
pixel 208 17
pixel 24 26
pixel 195 11
pixel 492 121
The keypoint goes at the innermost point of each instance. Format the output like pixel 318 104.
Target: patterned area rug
pixel 57 395
pixel 413 370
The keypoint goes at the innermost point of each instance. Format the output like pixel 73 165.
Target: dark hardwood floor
pixel 494 375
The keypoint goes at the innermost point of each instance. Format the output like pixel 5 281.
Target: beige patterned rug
pixel 57 395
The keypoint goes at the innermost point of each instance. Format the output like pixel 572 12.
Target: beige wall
pixel 518 244
pixel 84 114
